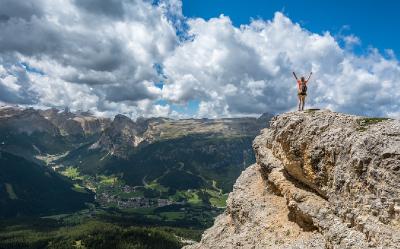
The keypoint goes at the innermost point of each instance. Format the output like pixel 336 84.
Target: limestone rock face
pixel 322 180
pixel 82 123
pixel 28 121
pixel 121 137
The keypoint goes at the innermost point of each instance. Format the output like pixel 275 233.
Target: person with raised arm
pixel 302 90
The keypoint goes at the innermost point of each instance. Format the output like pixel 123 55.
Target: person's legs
pixel 298 108
pixel 303 100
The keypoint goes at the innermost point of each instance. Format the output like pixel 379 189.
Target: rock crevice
pixel 322 180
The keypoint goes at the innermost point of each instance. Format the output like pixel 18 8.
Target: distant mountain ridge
pixel 206 155
pixel 81 123
pixel 118 136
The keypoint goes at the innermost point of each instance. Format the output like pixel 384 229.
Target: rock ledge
pixel 322 180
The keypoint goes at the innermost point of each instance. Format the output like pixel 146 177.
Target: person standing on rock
pixel 302 90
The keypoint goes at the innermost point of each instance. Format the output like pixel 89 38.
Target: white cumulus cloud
pixel 248 70
pixel 96 55
pixel 109 57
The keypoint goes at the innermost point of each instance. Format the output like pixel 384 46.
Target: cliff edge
pixel 321 180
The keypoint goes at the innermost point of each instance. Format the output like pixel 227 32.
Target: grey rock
pixel 322 180
pixel 121 137
pixel 17 120
pixel 81 123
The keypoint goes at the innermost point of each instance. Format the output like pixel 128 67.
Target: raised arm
pixel 309 76
pixel 295 76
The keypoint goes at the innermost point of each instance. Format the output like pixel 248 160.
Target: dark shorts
pixel 302 94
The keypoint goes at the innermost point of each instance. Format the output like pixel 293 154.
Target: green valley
pixel 76 181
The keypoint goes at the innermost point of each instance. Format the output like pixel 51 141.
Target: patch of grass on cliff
pixel 365 122
pixel 312 110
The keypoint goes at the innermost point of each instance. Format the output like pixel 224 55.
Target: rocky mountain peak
pixel 322 180
pixel 122 124
pixel 81 123
pixel 121 137
pixel 17 120
pixel 122 118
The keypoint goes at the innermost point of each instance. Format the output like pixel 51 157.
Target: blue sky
pixel 375 22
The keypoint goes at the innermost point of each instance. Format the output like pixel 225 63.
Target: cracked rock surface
pixel 321 180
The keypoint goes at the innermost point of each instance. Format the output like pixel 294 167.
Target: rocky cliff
pixel 51 121
pixel 81 123
pixel 28 121
pixel 322 180
pixel 121 137
pixel 124 135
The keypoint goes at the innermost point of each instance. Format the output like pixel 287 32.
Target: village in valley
pixel 110 191
pixel 107 198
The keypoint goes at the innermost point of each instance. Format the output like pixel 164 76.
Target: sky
pixel 211 58
pixel 373 22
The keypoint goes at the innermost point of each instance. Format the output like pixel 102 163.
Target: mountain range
pixel 121 162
